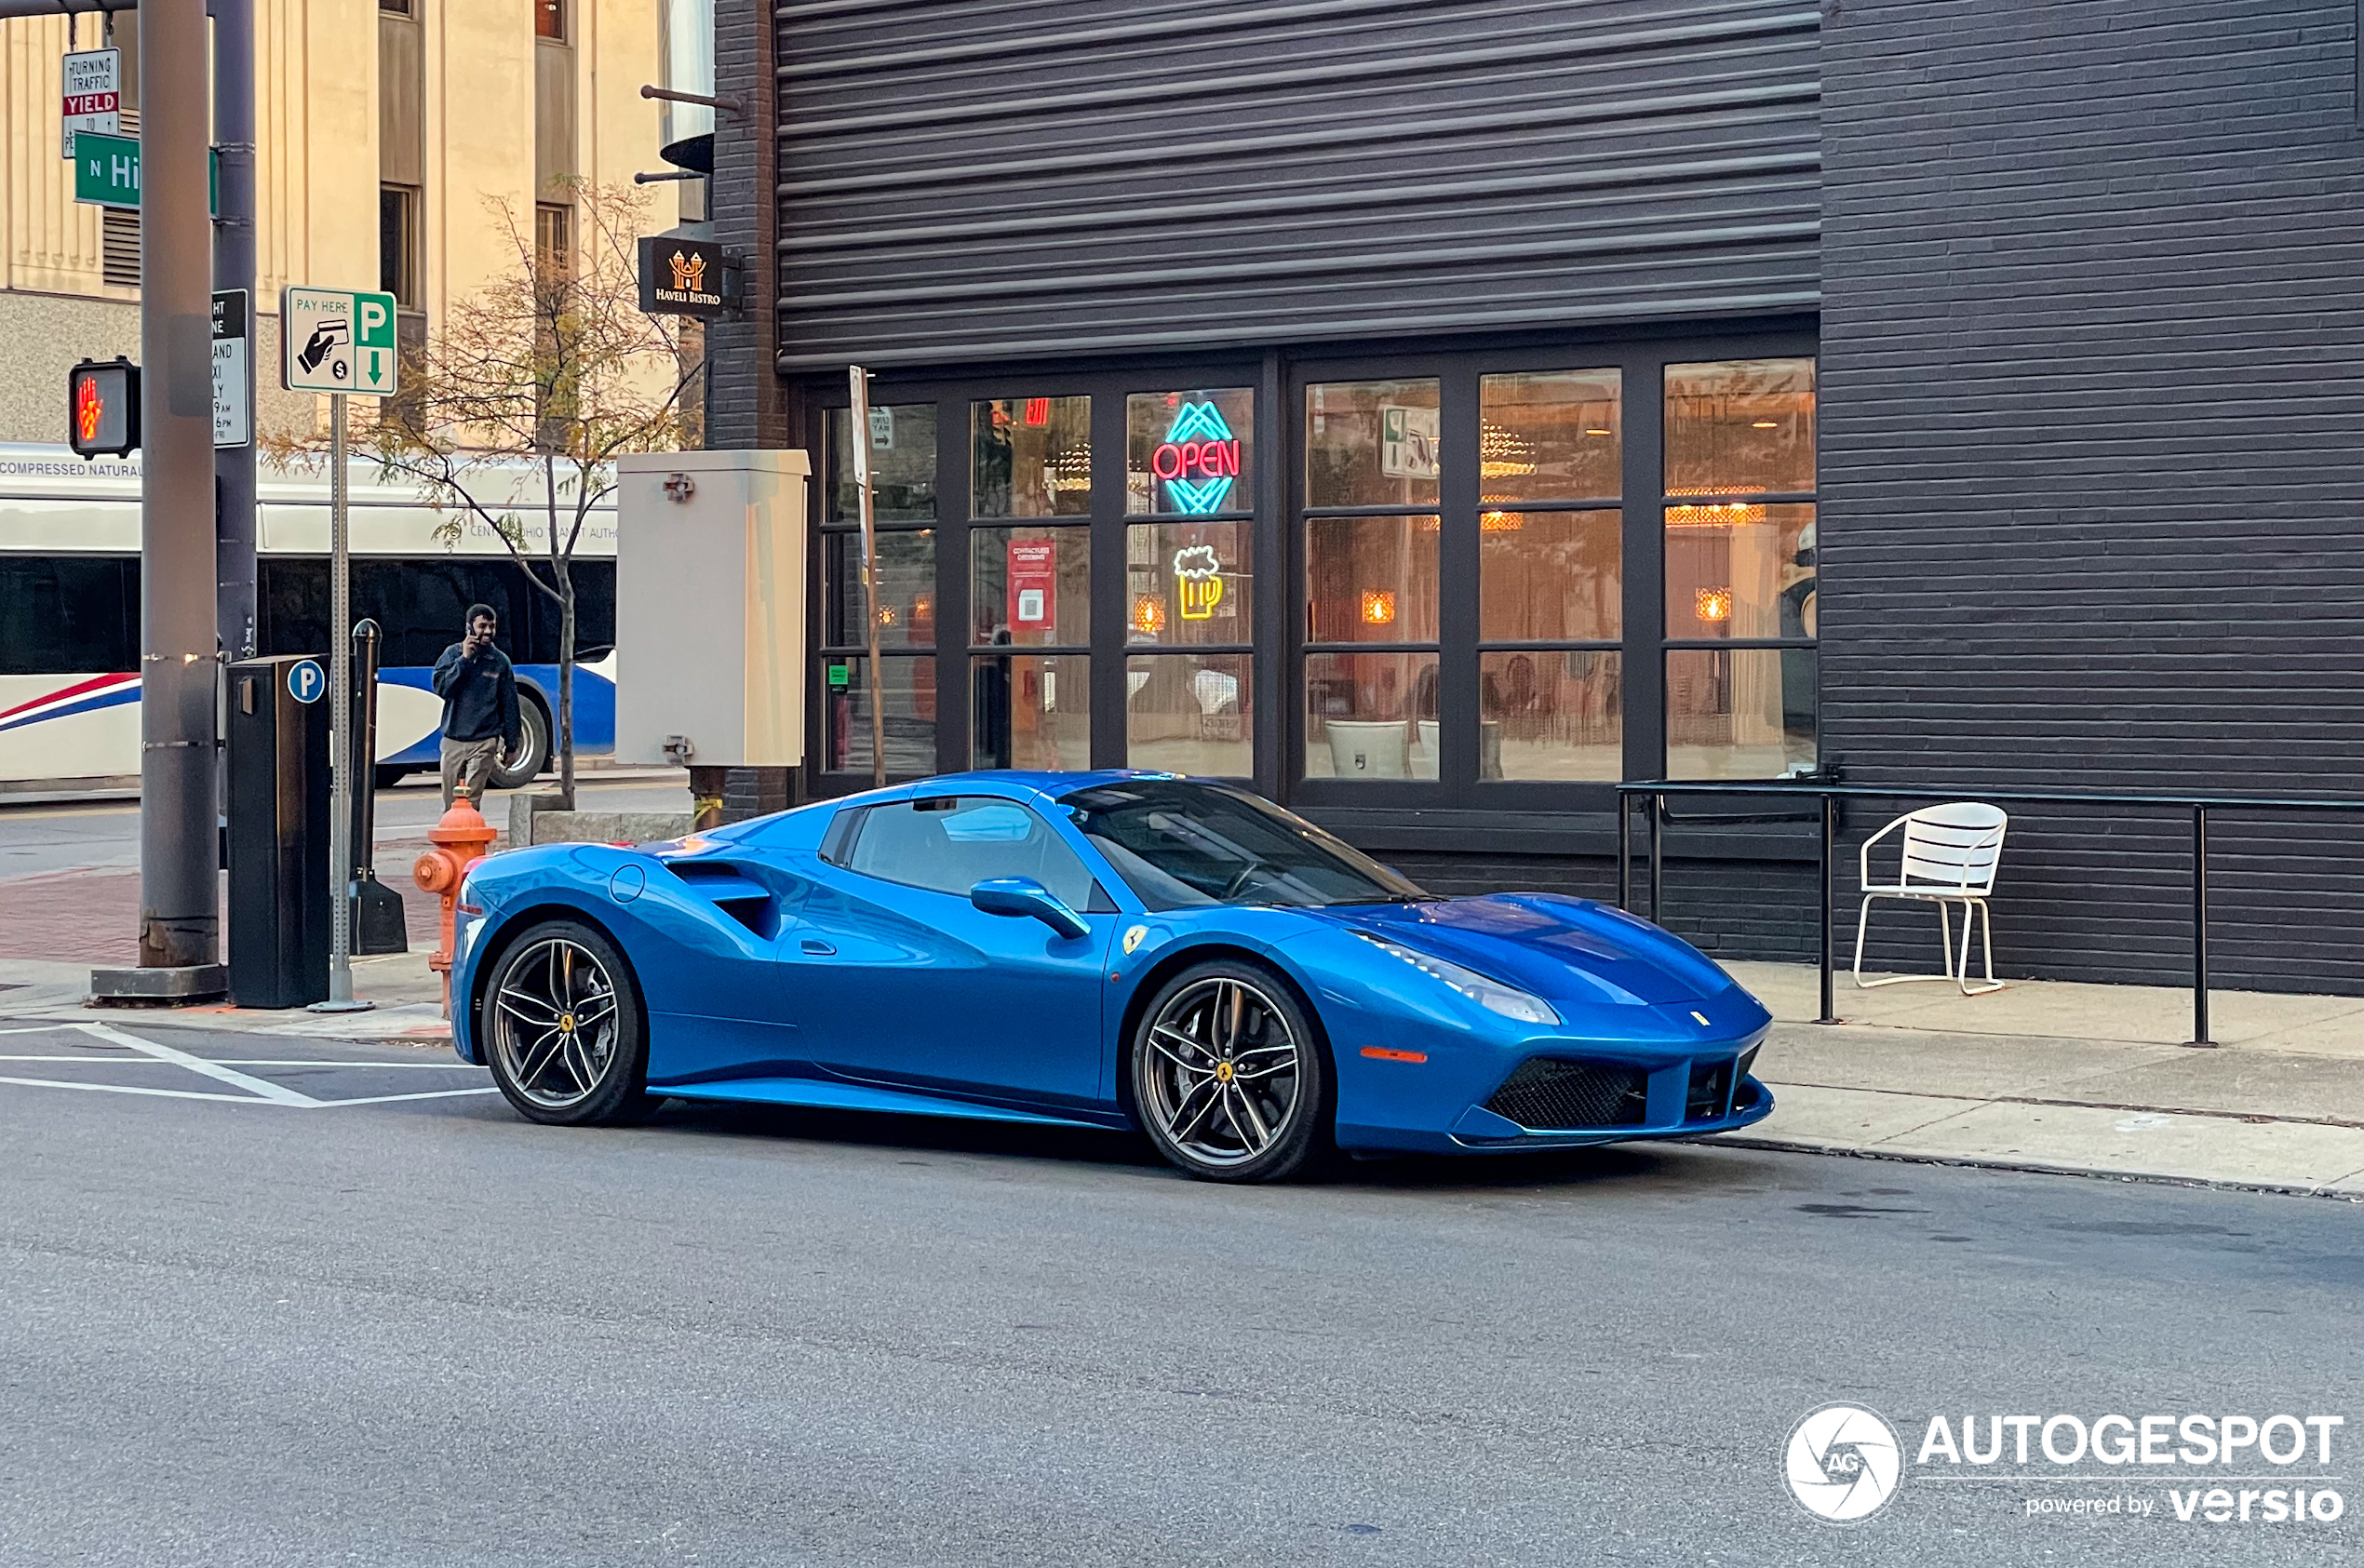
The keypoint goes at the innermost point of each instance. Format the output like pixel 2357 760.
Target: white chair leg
pixel 1862 919
pixel 1986 930
pixel 1946 935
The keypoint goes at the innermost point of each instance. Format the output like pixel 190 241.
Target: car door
pixel 899 979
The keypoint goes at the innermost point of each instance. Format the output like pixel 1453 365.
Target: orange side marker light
pixel 1381 1053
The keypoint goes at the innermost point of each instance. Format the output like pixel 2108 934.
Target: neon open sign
pixel 1199 460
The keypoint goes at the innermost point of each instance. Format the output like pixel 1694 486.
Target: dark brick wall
pixel 2093 391
pixel 744 399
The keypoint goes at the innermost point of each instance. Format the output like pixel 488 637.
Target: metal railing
pixel 1815 798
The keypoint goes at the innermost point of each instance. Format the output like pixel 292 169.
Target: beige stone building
pixel 382 129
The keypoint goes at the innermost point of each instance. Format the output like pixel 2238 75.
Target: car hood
pixel 1560 949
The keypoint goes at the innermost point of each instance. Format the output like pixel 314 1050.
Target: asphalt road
pixel 422 1332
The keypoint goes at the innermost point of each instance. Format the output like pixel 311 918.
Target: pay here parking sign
pixel 337 340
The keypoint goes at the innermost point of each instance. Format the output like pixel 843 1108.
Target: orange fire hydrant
pixel 458 840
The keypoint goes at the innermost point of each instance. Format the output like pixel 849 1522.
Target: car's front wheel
pixel 1227 1078
pixel 562 1029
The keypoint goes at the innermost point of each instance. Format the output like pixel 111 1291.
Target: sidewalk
pixel 2050 1075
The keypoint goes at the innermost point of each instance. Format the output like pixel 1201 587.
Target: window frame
pixel 1275 511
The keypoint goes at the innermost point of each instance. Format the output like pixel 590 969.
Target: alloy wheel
pixel 555 1022
pixel 1225 1072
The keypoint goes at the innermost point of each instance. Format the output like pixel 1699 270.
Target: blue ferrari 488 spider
pixel 1110 949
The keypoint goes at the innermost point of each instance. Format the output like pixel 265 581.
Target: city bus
pixel 70 614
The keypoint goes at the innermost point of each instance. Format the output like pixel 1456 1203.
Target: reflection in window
pixel 1740 570
pixel 910 715
pixel 907 588
pixel 1188 585
pixel 1740 426
pixel 1371 579
pixel 1740 713
pixel 902 458
pixel 1032 711
pixel 1371 715
pixel 1188 453
pixel 1551 714
pixel 1548 435
pixel 1031 457
pixel 1030 586
pixel 1191 713
pixel 1548 576
pixel 950 846
pixel 1371 443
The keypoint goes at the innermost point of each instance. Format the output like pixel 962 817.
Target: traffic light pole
pixel 234 242
pixel 179 657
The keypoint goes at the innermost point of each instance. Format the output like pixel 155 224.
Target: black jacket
pixel 480 695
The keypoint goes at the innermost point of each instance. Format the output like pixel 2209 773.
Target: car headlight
pixel 1491 995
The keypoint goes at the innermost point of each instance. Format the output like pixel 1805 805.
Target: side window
pixel 951 843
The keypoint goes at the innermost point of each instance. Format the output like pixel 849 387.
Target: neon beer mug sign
pixel 1198 576
pixel 1199 460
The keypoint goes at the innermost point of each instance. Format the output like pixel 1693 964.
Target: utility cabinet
pixel 710 609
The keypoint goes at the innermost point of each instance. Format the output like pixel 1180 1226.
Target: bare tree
pixel 551 368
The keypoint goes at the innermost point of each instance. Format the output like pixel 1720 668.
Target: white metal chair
pixel 1951 854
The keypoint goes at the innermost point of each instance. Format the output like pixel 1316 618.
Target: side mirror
pixel 1024 895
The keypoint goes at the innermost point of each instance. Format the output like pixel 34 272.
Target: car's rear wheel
pixel 1227 1078
pixel 562 1029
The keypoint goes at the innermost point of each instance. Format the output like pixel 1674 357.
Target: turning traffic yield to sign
pixel 336 340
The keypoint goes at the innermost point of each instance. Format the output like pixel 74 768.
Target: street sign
pixel 337 340
pixel 106 172
pixel 93 101
pixel 233 368
pixel 306 681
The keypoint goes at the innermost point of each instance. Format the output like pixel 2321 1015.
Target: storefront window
pixel 1740 571
pixel 1371 579
pixel 902 466
pixel 1032 711
pixel 907 588
pixel 1372 443
pixel 1744 426
pixel 1548 435
pixel 910 715
pixel 1188 584
pixel 1549 576
pixel 1371 715
pixel 1031 457
pixel 1551 714
pixel 1191 713
pixel 1740 713
pixel 1189 453
pixel 1030 586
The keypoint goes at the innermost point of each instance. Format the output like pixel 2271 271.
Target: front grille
pixel 1545 1092
pixel 1711 1090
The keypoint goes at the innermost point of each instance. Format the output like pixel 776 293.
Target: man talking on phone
pixel 479 693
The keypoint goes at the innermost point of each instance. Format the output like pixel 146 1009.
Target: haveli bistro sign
pixel 680 277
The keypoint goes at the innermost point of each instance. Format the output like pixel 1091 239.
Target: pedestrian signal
pixel 102 408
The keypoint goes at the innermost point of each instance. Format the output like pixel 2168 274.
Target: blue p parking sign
pixel 306 681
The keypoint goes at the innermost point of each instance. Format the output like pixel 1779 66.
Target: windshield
pixel 1179 844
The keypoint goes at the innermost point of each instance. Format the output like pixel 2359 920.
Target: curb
pixel 2024 1167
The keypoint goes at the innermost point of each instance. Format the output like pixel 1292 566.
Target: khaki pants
pixel 470 762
